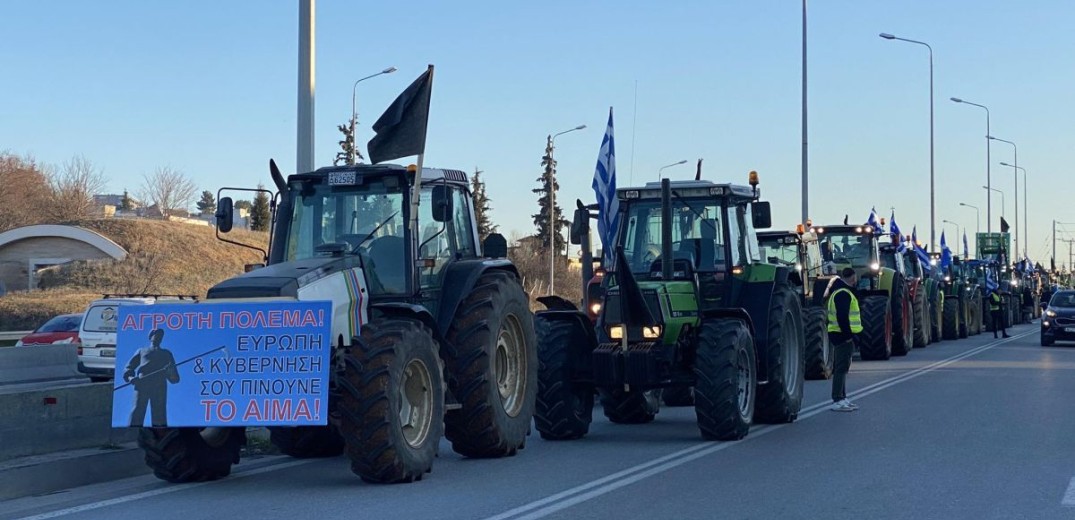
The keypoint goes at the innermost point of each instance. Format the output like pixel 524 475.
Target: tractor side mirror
pixel 442 203
pixel 761 214
pixel 580 225
pixel 495 246
pixel 225 214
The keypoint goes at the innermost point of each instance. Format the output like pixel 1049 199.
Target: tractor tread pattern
pixel 716 398
pixel 180 455
pixel 564 409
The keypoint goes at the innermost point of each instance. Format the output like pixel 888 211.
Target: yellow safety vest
pixel 853 316
pixel 994 302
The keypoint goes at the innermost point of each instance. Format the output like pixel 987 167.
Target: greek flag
pixel 923 256
pixel 946 254
pixel 990 282
pixel 897 236
pixel 604 187
pixel 872 221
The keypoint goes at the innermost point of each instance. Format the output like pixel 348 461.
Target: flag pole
pixel 416 195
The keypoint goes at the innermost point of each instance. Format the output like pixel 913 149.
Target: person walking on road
pixel 149 371
pixel 994 311
pixel 844 323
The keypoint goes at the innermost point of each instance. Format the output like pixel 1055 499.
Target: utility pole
pixel 805 164
pixel 305 121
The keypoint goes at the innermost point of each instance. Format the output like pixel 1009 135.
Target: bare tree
pixel 169 189
pixel 73 188
pixel 24 192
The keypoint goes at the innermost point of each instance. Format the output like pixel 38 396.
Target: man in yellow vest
pixel 844 323
pixel 994 311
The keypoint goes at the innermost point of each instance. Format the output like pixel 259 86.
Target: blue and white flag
pixel 946 254
pixel 604 187
pixel 990 282
pixel 923 256
pixel 897 236
pixel 966 249
pixel 873 221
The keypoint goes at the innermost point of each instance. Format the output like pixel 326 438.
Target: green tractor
pixel 799 251
pixel 962 302
pixel 910 300
pixel 688 304
pixel 431 338
pixel 882 291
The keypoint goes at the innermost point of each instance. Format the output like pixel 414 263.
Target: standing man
pixel 149 371
pixel 844 323
pixel 995 312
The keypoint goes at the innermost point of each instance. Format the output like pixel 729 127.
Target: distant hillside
pixel 163 258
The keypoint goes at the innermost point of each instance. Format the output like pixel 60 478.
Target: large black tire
pixel 307 442
pixel 976 313
pixel 682 395
pixel 373 391
pixel 950 322
pixel 819 355
pixel 964 315
pixel 181 455
pixel 491 363
pixel 875 341
pixel 780 399
pixel 726 378
pixel 902 319
pixel 632 407
pixel 921 318
pixel 936 315
pixel 564 408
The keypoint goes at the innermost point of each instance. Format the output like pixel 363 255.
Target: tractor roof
pixel 844 229
pixel 348 174
pixel 687 189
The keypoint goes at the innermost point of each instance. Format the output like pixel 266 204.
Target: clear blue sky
pixel 210 88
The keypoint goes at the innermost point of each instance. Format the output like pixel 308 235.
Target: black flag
pixel 401 130
pixel 1003 225
pixel 633 308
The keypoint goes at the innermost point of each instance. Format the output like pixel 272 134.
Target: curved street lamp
pixel 988 162
pixel 354 113
pixel 552 206
pixel 661 169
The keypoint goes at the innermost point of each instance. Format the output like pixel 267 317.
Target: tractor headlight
pixel 616 331
pixel 875 266
pixel 798 267
pixel 595 308
pixel 1015 283
pixel 653 332
pixel 948 278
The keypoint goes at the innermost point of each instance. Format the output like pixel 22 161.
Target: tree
pixel 125 202
pixel 541 219
pixel 348 151
pixel 260 217
pixel 73 188
pixel 207 205
pixel 244 204
pixel 169 189
pixel 24 192
pixel 481 206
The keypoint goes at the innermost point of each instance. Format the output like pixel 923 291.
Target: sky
pixel 209 88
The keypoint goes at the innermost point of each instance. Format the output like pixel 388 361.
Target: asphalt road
pixel 975 428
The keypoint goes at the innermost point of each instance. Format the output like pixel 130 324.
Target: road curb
pixel 42 474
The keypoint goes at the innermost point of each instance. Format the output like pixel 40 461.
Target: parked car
pixel 56 331
pixel 97 357
pixel 1058 320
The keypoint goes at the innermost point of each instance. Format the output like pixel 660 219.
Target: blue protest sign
pixel 222 364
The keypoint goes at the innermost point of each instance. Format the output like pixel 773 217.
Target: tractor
pixel 906 262
pixel 432 332
pixel 883 300
pixel 799 251
pixel 892 257
pixel 962 316
pixel 928 305
pixel 985 275
pixel 688 303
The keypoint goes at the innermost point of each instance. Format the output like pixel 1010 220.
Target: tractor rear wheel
pixel 964 316
pixel 392 402
pixel 564 408
pixel 307 442
pixel 780 399
pixel 921 318
pixel 950 323
pixel 632 407
pixel 936 315
pixel 678 395
pixel 902 320
pixel 180 455
pixel 491 363
pixel 726 376
pixel 818 349
pixel 875 341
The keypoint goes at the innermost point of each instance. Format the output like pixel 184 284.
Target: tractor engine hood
pixel 283 279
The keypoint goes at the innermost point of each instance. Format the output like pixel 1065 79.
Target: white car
pixel 97 356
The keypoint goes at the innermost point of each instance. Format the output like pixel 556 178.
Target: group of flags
pixel 919 250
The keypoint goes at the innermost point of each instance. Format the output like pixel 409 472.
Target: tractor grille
pixel 612 306
pixel 639 365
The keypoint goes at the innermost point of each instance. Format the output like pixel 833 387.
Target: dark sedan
pixel 1058 321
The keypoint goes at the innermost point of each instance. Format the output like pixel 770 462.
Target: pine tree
pixel 259 213
pixel 207 205
pixel 125 202
pixel 541 219
pixel 481 207
pixel 244 204
pixel 348 151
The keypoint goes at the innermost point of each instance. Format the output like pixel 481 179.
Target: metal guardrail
pixel 13 336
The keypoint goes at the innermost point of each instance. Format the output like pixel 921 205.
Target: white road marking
pixel 582 493
pixel 161 491
pixel 1069 496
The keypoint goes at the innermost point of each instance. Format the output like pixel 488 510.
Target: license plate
pixel 108 352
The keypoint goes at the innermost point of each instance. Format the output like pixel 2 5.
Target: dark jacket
pixel 842 302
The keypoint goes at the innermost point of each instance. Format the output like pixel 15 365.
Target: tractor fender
pixel 863 294
pixel 734 313
pixel 459 280
pixel 410 311
pixel 755 298
pixel 556 303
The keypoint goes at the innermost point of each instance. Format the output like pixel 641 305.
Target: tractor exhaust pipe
pixel 666 229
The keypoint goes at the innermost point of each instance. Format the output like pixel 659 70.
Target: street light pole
pixel 805 163
pixel 977 225
pixel 1026 230
pixel 988 162
pixel 304 141
pixel 1015 171
pixel 661 169
pixel 553 231
pixel 932 193
pixel 1002 204
pixel 354 113
pixel 954 224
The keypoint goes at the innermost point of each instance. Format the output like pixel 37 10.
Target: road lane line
pixel 162 491
pixel 1069 496
pixel 582 493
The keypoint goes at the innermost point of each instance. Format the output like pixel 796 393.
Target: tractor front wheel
pixel 819 355
pixel 564 408
pixel 950 322
pixel 921 321
pixel 726 376
pixel 902 320
pixel 875 341
pixel 181 455
pixel 780 399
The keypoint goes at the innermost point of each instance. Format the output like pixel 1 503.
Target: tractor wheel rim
pixel 215 437
pixel 509 364
pixel 416 403
pixel 792 352
pixel 744 388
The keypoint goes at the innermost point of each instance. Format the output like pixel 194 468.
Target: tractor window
pixel 462 227
pixel 853 249
pixel 775 251
pixel 697 233
pixel 344 215
pixel 737 232
pixel 753 251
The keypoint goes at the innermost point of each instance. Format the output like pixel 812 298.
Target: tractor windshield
pixel 780 250
pixel 852 249
pixel 697 233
